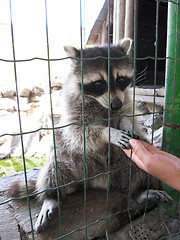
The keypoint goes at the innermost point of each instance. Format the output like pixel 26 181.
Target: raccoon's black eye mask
pixel 122 82
pixel 96 88
pixel 99 87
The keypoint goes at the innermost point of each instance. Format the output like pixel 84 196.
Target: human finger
pixel 148 146
pixel 140 150
pixel 139 162
pixel 135 159
pixel 127 152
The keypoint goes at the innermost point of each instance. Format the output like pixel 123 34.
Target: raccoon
pixel 84 126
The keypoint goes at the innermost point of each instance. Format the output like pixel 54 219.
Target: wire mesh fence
pixel 172 123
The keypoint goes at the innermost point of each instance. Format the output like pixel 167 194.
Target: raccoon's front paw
pixel 123 140
pixel 132 135
pixel 155 196
pixel 118 137
pixel 45 215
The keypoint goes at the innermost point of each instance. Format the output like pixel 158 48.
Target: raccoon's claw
pixel 124 141
pixel 130 134
pixel 118 137
pixel 45 215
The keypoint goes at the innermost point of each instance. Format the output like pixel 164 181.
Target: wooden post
pixel 114 21
pixel 104 33
pixel 129 19
pixel 119 20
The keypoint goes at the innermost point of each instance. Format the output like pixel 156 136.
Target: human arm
pixel 160 164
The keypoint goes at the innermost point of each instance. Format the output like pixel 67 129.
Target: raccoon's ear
pixel 72 51
pixel 126 44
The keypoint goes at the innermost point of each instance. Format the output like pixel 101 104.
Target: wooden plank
pixel 119 21
pixel 146 95
pixel 115 21
pixel 148 91
pixel 150 99
pixel 129 19
pixel 104 38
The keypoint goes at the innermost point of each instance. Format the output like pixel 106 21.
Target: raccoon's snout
pixel 116 104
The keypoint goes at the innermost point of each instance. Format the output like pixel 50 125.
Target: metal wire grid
pixel 21 133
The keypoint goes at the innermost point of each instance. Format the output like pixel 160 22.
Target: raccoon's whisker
pixel 144 74
pixel 142 70
pixel 139 73
pixel 141 80
pixel 125 107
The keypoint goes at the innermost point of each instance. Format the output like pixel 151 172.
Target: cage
pixel 89 213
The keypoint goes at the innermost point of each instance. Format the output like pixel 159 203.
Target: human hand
pixel 160 164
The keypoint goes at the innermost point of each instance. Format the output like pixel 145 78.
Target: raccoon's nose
pixel 116 104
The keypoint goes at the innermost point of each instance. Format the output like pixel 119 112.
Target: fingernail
pixel 132 142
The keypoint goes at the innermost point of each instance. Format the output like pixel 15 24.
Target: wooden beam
pixel 119 20
pixel 104 34
pixel 129 19
pixel 147 95
pixel 148 92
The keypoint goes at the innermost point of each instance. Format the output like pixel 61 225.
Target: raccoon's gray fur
pixel 70 139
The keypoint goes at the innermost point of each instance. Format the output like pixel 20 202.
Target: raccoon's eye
pixel 122 82
pixel 96 88
pixel 100 84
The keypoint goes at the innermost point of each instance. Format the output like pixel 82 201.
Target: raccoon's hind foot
pixel 119 138
pixel 155 196
pixel 47 211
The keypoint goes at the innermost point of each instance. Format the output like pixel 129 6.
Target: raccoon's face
pixel 99 81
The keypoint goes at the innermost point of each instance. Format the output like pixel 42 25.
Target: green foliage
pixel 12 165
